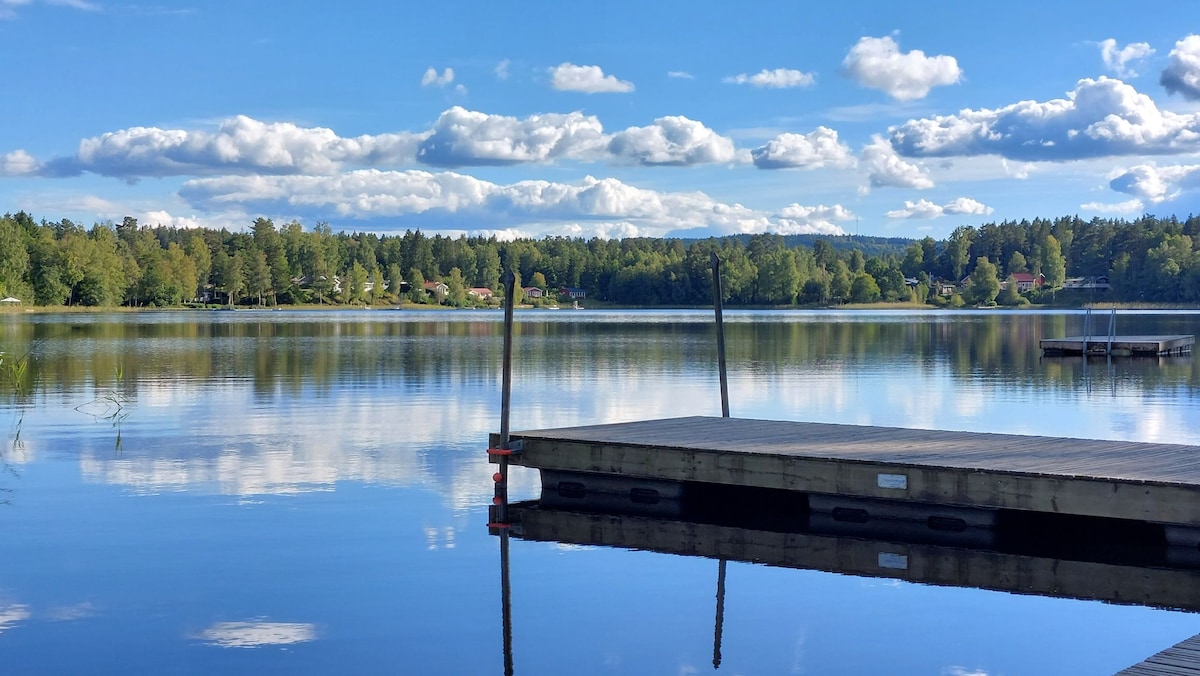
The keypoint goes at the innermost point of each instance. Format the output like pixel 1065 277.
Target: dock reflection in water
pixel 1047 559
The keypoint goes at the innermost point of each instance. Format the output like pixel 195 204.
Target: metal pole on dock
pixel 1112 331
pixel 501 497
pixel 719 624
pixel 716 291
pixel 506 392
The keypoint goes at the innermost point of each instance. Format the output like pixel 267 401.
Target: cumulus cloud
pixel 1099 118
pixel 878 63
pixel 431 78
pixel 885 168
pixel 924 209
pixel 241 144
pixel 1133 206
pixel 966 205
pixel 1120 60
pixel 816 149
pixel 459 137
pixel 568 77
pixel 1182 74
pixel 680 75
pixel 166 219
pixel 672 140
pixel 780 78
pixel 449 199
pixel 1157 184
pixel 462 137
pixel 18 163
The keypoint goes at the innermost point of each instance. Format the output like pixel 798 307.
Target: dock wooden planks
pixel 1181 658
pixel 1116 479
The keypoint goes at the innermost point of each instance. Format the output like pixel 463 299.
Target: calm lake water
pixel 295 492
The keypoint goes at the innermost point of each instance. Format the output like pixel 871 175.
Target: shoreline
pixel 599 306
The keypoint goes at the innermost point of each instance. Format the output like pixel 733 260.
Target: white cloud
pixel 924 209
pixel 432 79
pixel 450 200
pixel 920 209
pixel 165 219
pixel 568 77
pixel 1133 206
pixel 1120 60
pixel 18 163
pixel 1182 74
pixel 1157 184
pixel 240 144
pixel 672 140
pixel 879 64
pixel 966 205
pixel 816 149
pixel 680 75
pixel 501 69
pixel 780 78
pixel 8 8
pixel 1099 118
pixel 459 137
pixel 462 137
pixel 799 219
pixel 885 168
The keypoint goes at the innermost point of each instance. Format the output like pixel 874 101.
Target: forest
pixel 1147 260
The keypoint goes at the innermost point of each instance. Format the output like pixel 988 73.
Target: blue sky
pixel 627 118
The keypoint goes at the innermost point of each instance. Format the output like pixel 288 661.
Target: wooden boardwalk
pixel 1116 479
pixel 1152 346
pixel 1178 660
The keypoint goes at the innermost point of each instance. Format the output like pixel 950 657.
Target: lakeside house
pixel 480 292
pixel 1026 281
pixel 437 289
pixel 533 292
pixel 10 301
pixel 572 292
pixel 1098 283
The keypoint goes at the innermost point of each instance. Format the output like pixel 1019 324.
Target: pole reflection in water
pixel 499 522
pixel 724 379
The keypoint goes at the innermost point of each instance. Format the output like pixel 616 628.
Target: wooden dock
pixel 1118 346
pixel 1178 660
pixel 1147 482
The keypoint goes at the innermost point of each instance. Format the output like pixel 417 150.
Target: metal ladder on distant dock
pixel 1087 331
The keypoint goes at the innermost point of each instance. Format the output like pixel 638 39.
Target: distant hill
pixel 869 245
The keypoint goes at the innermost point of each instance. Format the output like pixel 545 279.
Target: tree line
pixel 63 263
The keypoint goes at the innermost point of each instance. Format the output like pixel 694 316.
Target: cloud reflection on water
pixel 12 615
pixel 300 408
pixel 257 634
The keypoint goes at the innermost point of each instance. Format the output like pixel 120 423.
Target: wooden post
pixel 719 623
pixel 716 291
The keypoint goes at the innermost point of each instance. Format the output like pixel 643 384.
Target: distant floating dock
pixel 951 480
pixel 1118 346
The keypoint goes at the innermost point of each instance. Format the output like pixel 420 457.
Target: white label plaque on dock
pixel 893 561
pixel 899 481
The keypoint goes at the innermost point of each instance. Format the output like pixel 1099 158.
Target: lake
pixel 307 492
